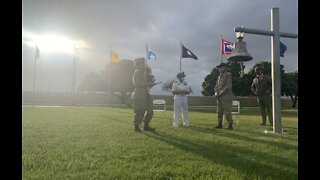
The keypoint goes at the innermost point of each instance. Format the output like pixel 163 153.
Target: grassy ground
pixel 99 143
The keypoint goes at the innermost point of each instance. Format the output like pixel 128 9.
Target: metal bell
pixel 240 53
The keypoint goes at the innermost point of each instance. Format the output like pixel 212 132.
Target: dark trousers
pixel 141 106
pixel 265 103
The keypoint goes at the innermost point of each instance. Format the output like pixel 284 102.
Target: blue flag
pixel 283 49
pixel 186 53
pixel 150 54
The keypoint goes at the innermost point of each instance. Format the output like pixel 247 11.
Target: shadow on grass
pixel 246 111
pixel 124 120
pixel 211 130
pixel 249 162
pixel 292 138
pixel 227 133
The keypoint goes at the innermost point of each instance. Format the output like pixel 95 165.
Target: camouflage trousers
pixel 142 105
pixel 224 107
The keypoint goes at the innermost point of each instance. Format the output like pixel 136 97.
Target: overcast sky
pixel 127 25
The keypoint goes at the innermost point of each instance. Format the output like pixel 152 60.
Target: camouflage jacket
pixel 224 86
pixel 141 91
pixel 261 84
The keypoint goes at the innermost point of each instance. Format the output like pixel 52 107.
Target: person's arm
pixel 189 89
pixel 269 82
pixel 181 92
pixel 216 88
pixel 138 80
pixel 253 86
pixel 175 90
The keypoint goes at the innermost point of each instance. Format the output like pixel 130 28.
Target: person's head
pixel 222 67
pixel 259 70
pixel 148 69
pixel 181 76
pixel 139 63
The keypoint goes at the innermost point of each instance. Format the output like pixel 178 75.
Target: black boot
pixel 262 124
pixel 271 123
pixel 230 126
pixel 148 128
pixel 137 129
pixel 219 125
pixel 263 121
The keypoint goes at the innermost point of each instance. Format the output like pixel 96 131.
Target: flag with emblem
pixel 226 47
pixel 186 53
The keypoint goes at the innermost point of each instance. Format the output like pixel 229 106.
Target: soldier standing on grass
pixel 224 95
pixel 142 100
pixel 261 87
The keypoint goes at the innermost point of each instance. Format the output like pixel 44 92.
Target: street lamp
pixel 275 63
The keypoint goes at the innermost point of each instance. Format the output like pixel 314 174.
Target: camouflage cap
pixel 181 74
pixel 139 60
pixel 222 65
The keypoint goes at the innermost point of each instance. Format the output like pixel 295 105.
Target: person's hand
pixel 217 94
pixel 152 84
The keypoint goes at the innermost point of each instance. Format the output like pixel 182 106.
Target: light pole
pixel 37 56
pixel 275 63
pixel 73 88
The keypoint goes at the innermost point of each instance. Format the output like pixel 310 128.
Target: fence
pixel 104 98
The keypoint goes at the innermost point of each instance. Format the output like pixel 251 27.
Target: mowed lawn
pixel 99 143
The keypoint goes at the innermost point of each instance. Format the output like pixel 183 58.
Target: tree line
pixel 116 78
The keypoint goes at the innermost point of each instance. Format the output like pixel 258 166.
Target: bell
pixel 239 52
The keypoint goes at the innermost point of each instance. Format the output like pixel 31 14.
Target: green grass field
pixel 99 143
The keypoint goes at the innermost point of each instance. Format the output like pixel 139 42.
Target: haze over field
pixel 127 26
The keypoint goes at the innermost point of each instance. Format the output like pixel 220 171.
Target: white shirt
pixel 178 86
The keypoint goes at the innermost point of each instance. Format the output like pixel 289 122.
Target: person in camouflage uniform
pixel 224 95
pixel 142 100
pixel 261 86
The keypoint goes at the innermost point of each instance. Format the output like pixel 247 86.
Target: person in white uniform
pixel 180 90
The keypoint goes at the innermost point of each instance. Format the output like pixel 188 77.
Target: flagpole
pixel 180 54
pixel 147 51
pixel 35 74
pixel 73 87
pixel 110 54
pixel 109 78
pixel 221 48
